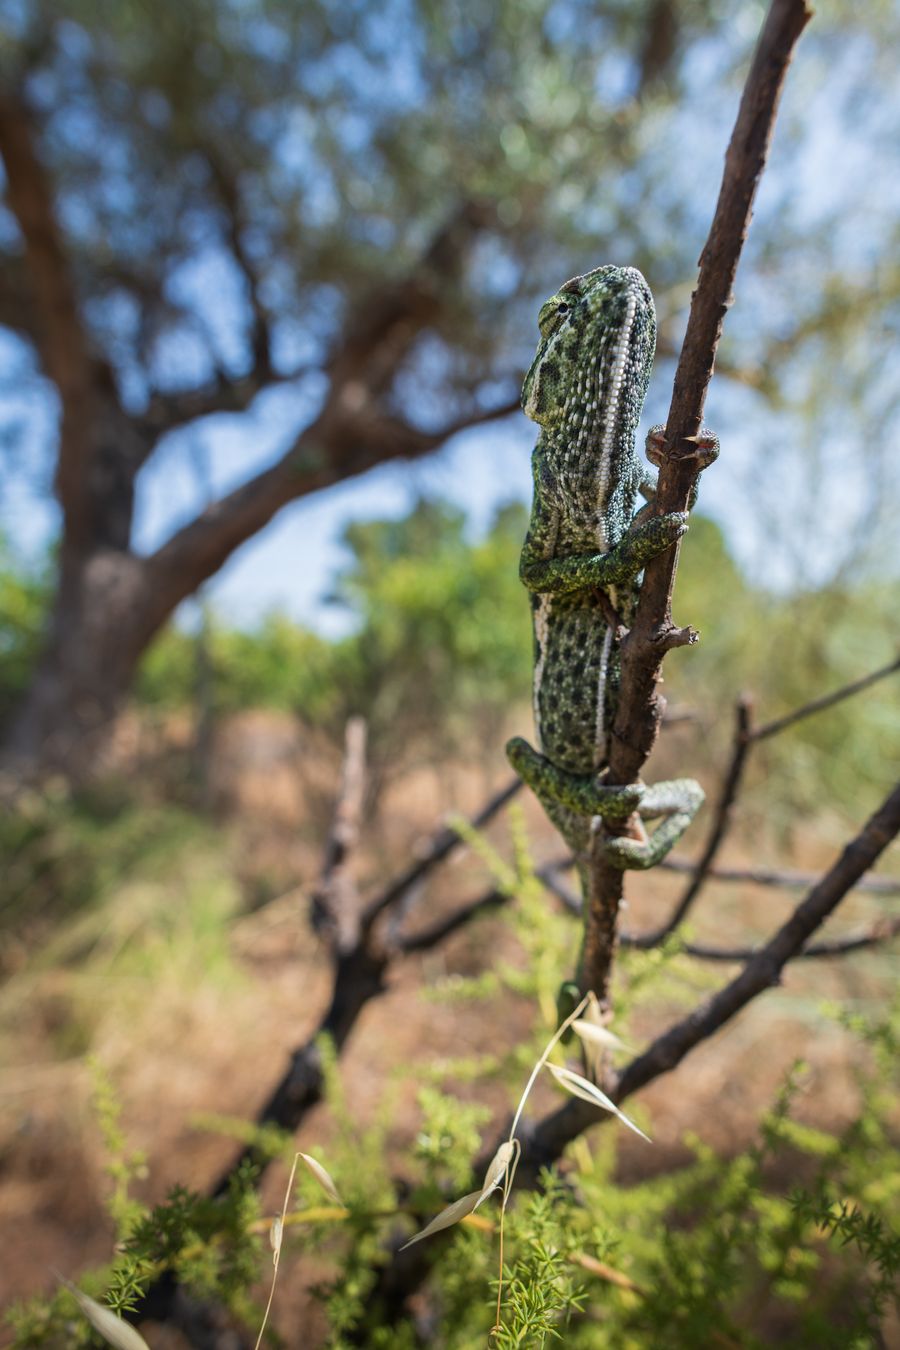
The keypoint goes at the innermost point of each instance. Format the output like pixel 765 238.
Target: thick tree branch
pixel 62 340
pixel 336 447
pixel 653 632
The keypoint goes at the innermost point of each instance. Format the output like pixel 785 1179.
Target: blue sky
pixel 289 565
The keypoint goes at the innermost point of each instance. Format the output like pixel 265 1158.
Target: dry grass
pixel 185 1024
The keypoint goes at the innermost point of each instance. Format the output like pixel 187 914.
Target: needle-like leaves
pixel 113 1329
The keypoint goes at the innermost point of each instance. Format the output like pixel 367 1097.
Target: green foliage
pixel 25 595
pixel 63 854
pixel 439 651
pixel 732 1250
pixel 122 1166
pixel 210 1245
pixel 277 665
pixel 541 1292
pixel 443 642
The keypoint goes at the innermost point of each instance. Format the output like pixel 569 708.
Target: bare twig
pixel 441 844
pixel 549 878
pixel 653 632
pixel 745 736
pixel 876 935
pixel 491 899
pixel 544 1143
pixel 786 878
pixel 778 724
pixel 334 904
pixel 431 937
pixel 720 826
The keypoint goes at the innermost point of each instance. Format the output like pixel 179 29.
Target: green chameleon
pixel 583 553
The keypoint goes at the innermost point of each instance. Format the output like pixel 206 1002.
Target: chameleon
pixel 582 557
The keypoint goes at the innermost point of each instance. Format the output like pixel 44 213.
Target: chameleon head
pixel 598 337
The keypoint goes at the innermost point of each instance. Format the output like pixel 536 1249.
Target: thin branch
pixel 428 938
pixel 817 705
pixel 876 935
pixel 227 187
pixel 334 903
pixel 167 412
pixel 787 878
pixel 745 736
pixel 545 1141
pixel 653 632
pixel 568 899
pixel 441 844
pixel 720 825
pixel 491 899
pixel 549 879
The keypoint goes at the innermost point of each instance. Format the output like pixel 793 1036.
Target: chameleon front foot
pixel 678 801
pixel 584 794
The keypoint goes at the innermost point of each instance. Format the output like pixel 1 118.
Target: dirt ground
pixel 198 1043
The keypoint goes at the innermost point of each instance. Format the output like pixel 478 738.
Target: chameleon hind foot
pixel 678 801
pixel 582 793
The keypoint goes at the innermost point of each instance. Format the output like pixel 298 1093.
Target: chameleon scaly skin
pixel 583 552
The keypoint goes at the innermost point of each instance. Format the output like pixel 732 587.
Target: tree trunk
pixel 100 624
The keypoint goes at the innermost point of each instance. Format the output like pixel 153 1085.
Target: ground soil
pixel 197 1044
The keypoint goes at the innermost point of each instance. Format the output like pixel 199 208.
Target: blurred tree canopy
pixel 358 206
pixel 439 658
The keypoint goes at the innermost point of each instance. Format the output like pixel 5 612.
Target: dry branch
pixel 334 904
pixel 544 1142
pixel 876 935
pixel 817 705
pixel 721 823
pixel 653 632
pixel 441 844
pixel 786 878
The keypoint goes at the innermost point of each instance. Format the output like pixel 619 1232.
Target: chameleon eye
pixel 550 316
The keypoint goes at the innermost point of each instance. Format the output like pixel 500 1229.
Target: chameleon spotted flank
pixel 583 552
